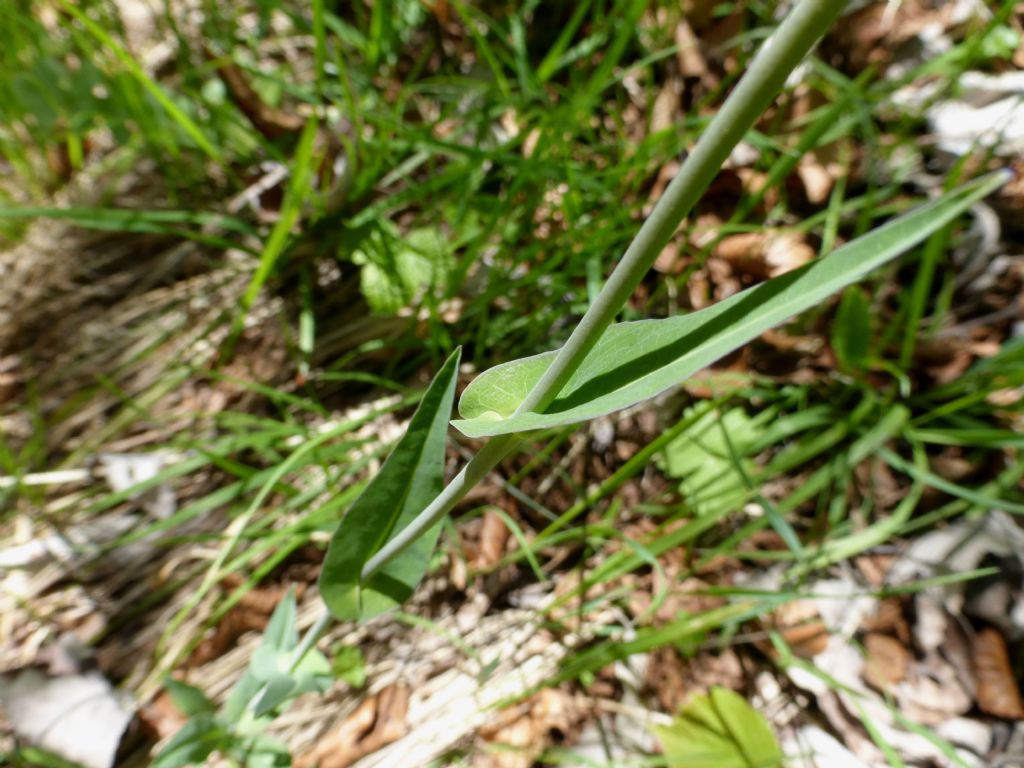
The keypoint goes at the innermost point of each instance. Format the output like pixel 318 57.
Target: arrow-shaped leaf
pixel 637 360
pixel 409 479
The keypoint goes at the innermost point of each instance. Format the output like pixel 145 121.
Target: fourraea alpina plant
pixel 382 547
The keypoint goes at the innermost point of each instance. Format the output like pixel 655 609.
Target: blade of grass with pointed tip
pixel 176 113
pixel 299 190
pixel 410 477
pixel 637 360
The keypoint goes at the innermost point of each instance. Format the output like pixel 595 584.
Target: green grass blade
pixel 299 189
pixel 175 112
pixel 637 360
pixel 409 479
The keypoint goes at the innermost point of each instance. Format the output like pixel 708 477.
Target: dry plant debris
pixel 377 721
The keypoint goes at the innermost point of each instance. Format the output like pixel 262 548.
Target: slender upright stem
pixel 778 57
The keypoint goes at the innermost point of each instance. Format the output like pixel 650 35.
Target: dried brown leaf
pixel 888 616
pixel 887 660
pixel 666 106
pixel 997 693
pixel 801 627
pixel 493 538
pixel 688 52
pixel 378 721
pixel 272 123
pixel 522 731
pixel 250 614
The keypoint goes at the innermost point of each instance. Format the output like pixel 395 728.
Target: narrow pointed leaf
pixel 637 360
pixel 410 478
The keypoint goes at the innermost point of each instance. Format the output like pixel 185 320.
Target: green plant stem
pixel 778 57
pixel 323 621
pixel 487 459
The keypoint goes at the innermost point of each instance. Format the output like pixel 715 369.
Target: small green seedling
pixel 269 683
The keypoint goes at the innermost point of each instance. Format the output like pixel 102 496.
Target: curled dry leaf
pixel 522 731
pixel 800 625
pixel 250 614
pixel 874 567
pixel 887 660
pixel 378 721
pixel 666 105
pixel 888 618
pixel 997 692
pixel 764 254
pixel 271 122
pixel 493 538
pixel 689 56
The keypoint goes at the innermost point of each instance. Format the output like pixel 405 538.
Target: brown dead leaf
pixel 666 677
pixel 162 718
pixel 872 34
pixel 688 53
pixel 875 568
pixel 715 669
pixel 765 254
pixel 439 8
pixel 952 464
pixel 887 660
pixel 816 179
pixel 785 251
pixel 666 106
pixel 668 261
pixel 800 626
pixel 744 252
pixel 997 692
pixel 493 538
pixel 723 278
pixel 250 614
pixel 58 161
pixel 888 617
pixel 272 123
pixel 378 721
pixel 698 289
pixel 521 732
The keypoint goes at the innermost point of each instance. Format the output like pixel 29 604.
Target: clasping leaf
pixel 634 361
pixel 408 480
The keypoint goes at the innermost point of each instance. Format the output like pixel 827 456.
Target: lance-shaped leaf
pixel 409 479
pixel 637 360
